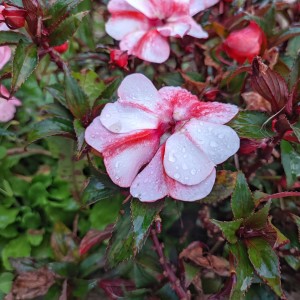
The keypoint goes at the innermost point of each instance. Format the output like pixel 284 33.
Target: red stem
pixel 280 195
pixel 168 272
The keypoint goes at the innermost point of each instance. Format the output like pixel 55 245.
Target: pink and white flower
pixel 176 138
pixel 7 107
pixel 143 27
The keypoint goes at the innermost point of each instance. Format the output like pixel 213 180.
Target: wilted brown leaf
pixel 194 86
pixel 33 284
pixel 223 187
pixel 255 101
pixel 195 253
pixel 63 243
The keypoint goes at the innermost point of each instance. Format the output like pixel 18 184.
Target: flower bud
pixel 119 58
pixel 211 94
pixel 245 43
pixel 62 48
pixel 14 17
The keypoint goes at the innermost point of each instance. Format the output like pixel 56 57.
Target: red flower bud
pixel 62 48
pixel 14 17
pixel 245 43
pixel 248 146
pixel 119 58
pixel 211 94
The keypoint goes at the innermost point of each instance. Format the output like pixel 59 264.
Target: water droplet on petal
pixel 193 172
pixel 220 136
pixel 213 144
pixel 176 176
pixel 184 166
pixel 171 157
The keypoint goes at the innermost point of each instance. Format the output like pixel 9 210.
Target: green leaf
pixel 6 281
pixel 66 29
pixel 241 201
pixel 79 130
pixel 63 244
pixel 59 9
pixel 24 63
pixel 290 159
pixel 122 241
pixel 76 99
pixel 105 212
pixel 284 35
pixel 244 271
pixel 251 124
pixel 296 129
pixel 258 220
pixel 223 187
pixel 18 247
pixel 99 188
pixel 91 85
pixel 297 221
pixel 142 216
pixel 111 88
pixel 12 38
pixel 50 127
pixel 229 229
pixel 265 263
pixel 295 72
pixel 7 216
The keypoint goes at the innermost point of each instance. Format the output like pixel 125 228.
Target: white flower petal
pixel 139 90
pixel 150 185
pixel 116 6
pixel 184 161
pixel 192 192
pixel 219 142
pixel 123 118
pixel 199 5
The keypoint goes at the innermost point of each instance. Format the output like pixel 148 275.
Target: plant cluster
pixel 149 149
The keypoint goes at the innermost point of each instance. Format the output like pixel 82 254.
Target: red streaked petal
pixel 125 22
pixel 101 139
pixel 191 192
pixel 149 46
pixel 176 29
pixel 184 161
pixel 124 162
pixel 5 54
pixel 150 184
pixel 219 142
pixel 213 112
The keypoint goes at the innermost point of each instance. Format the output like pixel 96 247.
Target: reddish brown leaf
pixel 33 284
pixel 269 84
pixel 115 288
pixel 94 237
pixel 195 253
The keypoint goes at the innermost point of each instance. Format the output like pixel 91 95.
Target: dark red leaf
pixel 269 84
pixel 115 288
pixel 94 237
